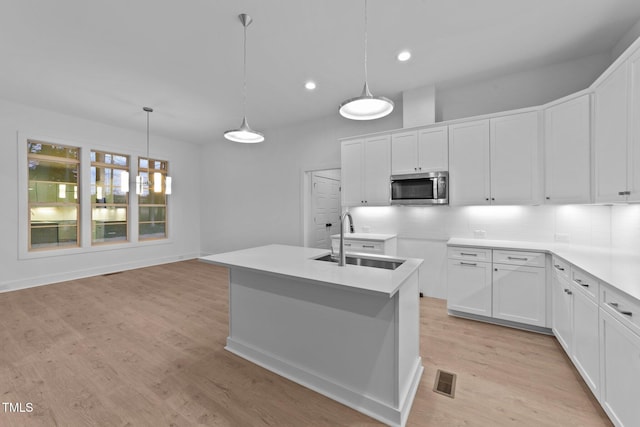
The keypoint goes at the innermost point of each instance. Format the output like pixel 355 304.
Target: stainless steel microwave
pixel 429 188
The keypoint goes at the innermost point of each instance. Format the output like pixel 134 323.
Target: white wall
pixel 519 90
pixel 254 192
pixel 184 209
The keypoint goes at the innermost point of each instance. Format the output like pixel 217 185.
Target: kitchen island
pixel 350 333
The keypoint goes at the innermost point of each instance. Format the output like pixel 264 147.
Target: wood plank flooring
pixel 145 348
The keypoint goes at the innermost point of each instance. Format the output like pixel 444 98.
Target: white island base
pixel 358 347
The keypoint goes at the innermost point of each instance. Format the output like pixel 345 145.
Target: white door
pixel 586 344
pixel 352 155
pixel 433 149
pixel 469 287
pixel 404 149
pixel 325 209
pixel 611 131
pixel 377 170
pixel 633 162
pixel 515 164
pixel 620 354
pixel 562 311
pixel 469 163
pixel 567 152
pixel 519 294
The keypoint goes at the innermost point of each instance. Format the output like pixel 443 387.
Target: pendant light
pixel 366 106
pixel 244 133
pixel 141 183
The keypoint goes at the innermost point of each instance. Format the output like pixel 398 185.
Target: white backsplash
pixel 423 231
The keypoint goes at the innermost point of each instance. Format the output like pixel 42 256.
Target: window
pixel 151 186
pixel 53 195
pixel 109 197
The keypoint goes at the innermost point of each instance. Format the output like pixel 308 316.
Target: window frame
pixel 78 204
pixel 150 172
pixel 95 204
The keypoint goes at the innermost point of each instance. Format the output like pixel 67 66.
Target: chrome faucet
pixel 343 256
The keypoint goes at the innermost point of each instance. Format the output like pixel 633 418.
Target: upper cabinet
pixel 469 162
pixel 515 160
pixel 495 161
pixel 366 168
pixel 617 134
pixel 417 151
pixel 567 151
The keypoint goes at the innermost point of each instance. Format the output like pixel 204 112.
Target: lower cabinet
pixel 519 294
pixel 574 310
pixel 620 353
pixel 469 287
pixel 498 284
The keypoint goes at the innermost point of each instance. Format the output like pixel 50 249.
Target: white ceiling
pixel 105 60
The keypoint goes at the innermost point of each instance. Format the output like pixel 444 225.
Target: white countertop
pixel 295 261
pixel 618 269
pixel 376 237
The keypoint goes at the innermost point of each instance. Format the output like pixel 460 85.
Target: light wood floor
pixel 145 348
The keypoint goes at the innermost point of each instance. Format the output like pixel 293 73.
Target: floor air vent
pixel 111 274
pixel 445 383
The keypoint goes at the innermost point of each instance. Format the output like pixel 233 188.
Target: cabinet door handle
pixel 624 193
pixel 473 264
pixel 614 305
pixel 368 246
pixel 518 258
pixel 568 292
pixel 558 267
pixel 467 254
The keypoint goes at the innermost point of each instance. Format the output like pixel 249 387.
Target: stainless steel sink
pixel 366 261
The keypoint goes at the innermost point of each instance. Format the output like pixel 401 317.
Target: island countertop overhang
pixel 300 262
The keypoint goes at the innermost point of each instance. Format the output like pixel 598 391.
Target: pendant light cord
pixel 147 136
pixel 244 87
pixel 366 77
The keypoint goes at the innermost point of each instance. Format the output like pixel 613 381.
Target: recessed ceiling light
pixel 403 56
pixel 310 85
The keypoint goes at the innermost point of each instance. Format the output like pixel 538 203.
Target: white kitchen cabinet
pixel 567 151
pixel 495 161
pixel 585 351
pixel 366 168
pixel 469 163
pixel 500 284
pixel 620 371
pixel 423 150
pixel 515 164
pixel 617 134
pixel 562 306
pixel 519 288
pixel 469 286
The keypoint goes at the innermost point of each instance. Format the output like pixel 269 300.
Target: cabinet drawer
pixel 561 267
pixel 621 306
pixel 586 282
pixel 351 245
pixel 464 253
pixel 533 259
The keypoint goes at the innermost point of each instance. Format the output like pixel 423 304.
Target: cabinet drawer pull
pixel 467 254
pixel 615 307
pixel 579 282
pixel 622 193
pixel 347 244
pixel 518 258
pixel 557 266
pixel 468 263
pixel 568 292
pixel 368 246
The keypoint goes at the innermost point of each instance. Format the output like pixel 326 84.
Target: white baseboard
pixel 47 279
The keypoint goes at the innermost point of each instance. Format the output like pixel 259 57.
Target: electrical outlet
pixel 562 237
pixel 479 234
